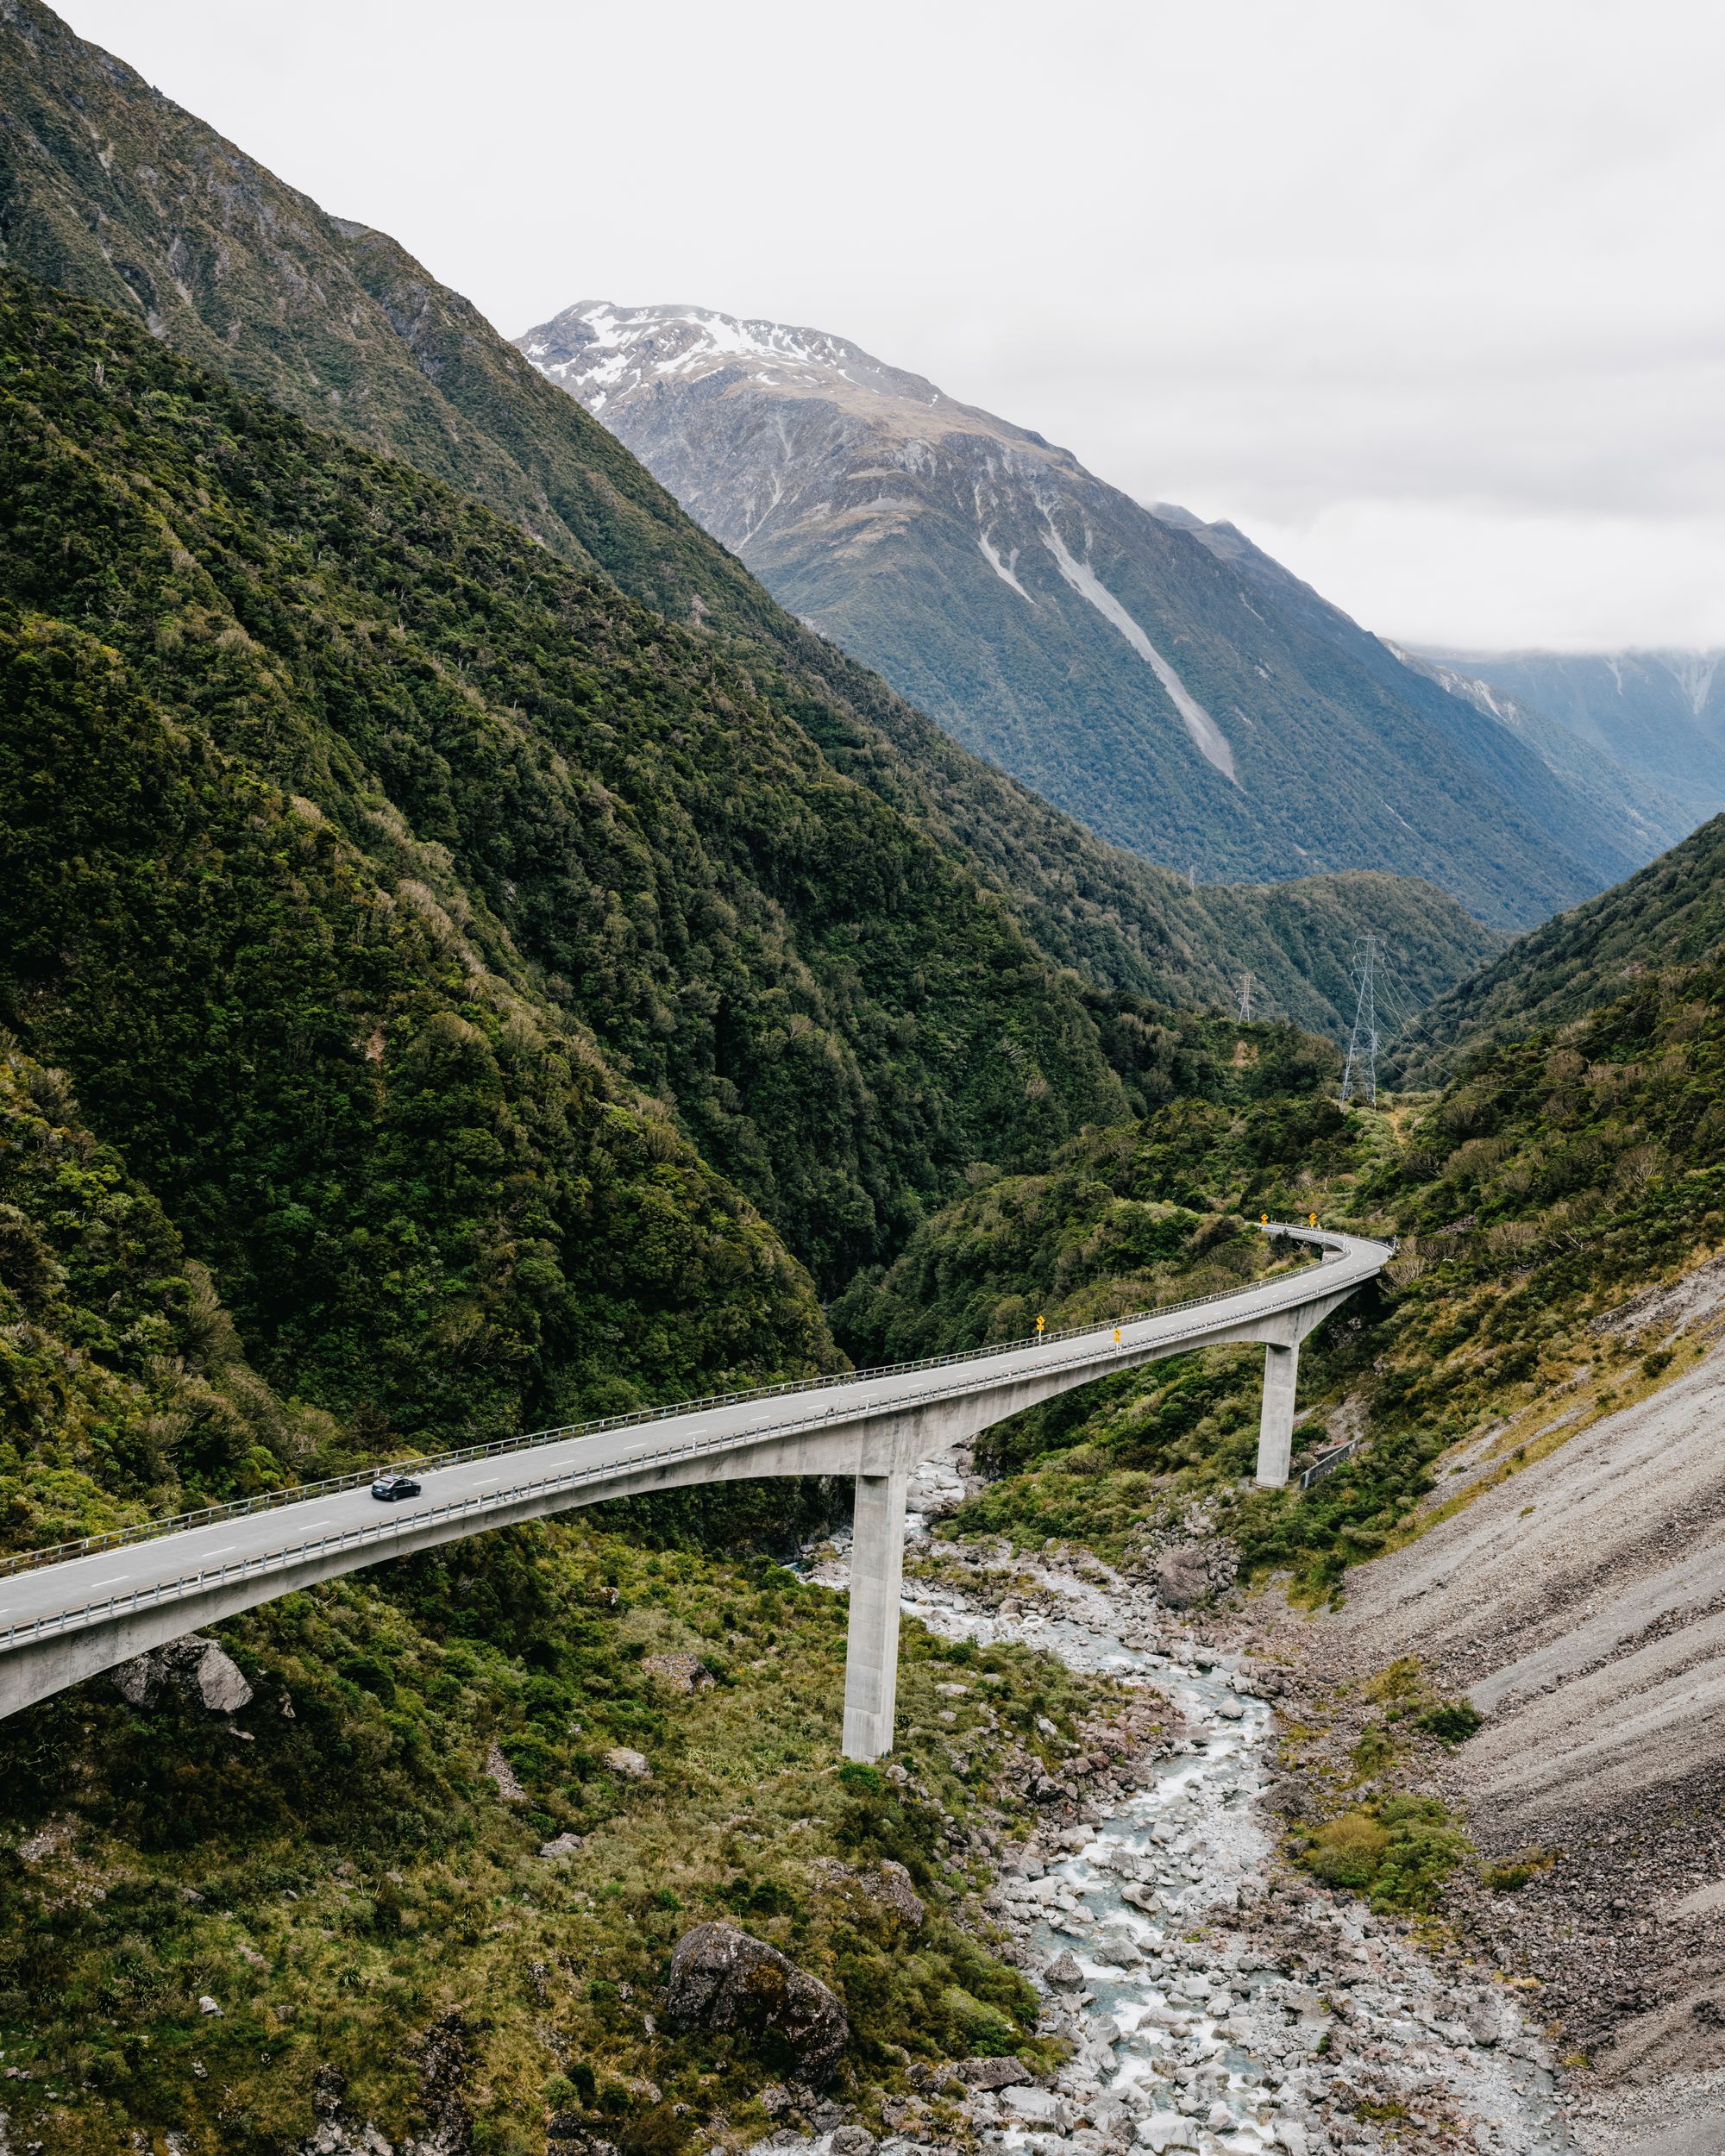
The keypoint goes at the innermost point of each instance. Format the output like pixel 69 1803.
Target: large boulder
pixel 725 1981
pixel 1181 1577
pixel 195 1669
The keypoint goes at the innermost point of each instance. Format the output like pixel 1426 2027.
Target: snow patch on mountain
pixel 1208 738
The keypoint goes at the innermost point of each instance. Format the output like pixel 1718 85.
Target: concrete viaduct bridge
pixel 67 1613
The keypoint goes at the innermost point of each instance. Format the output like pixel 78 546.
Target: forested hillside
pixel 541 778
pixel 1672 914
pixel 332 809
pixel 223 1929
pixel 109 189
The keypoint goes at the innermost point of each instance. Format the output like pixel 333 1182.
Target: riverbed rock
pixel 1181 1577
pixel 994 2073
pixel 195 1669
pixel 1162 2131
pixel 1065 1972
pixel 1035 2106
pixel 723 1979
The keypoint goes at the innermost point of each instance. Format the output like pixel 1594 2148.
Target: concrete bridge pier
pixel 871 1662
pixel 1276 1416
pixel 1282 1339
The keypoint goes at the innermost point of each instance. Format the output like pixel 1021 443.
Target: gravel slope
pixel 1581 1605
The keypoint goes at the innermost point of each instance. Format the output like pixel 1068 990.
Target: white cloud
pixel 1495 579
pixel 1438 278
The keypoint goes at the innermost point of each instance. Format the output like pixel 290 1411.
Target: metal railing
pixel 300 1492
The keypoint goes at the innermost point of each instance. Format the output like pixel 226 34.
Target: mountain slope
pixel 109 189
pixel 1660 714
pixel 1104 654
pixel 598 804
pixel 1642 818
pixel 1672 915
pixel 1652 817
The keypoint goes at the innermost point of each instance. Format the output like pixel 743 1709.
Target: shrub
pixel 1399 1853
pixel 1425 1846
pixel 1346 1852
pixel 1452 1721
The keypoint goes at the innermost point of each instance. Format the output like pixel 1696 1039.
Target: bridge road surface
pixel 68 1620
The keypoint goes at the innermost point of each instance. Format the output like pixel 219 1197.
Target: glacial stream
pixel 1300 2022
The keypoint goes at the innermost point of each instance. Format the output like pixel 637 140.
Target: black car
pixel 388 1487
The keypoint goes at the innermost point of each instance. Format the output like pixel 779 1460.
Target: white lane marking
pixel 115 1582
pixel 489 1480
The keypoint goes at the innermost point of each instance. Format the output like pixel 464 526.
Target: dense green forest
pixel 338 1869
pixel 559 786
pixel 109 189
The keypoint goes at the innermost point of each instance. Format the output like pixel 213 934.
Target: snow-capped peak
pixel 604 354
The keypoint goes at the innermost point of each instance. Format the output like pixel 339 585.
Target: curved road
pixel 64 1621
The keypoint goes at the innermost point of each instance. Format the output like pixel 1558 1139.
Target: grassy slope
pixel 349 1884
pixel 110 190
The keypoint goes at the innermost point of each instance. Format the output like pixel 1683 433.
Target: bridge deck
pixel 472 1494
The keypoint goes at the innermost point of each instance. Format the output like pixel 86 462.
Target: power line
pixel 1359 1072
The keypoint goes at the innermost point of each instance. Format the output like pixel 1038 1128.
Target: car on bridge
pixel 388 1489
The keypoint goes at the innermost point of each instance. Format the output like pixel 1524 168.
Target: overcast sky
pixel 1426 295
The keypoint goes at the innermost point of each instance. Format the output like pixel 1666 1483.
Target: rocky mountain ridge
pixel 1112 659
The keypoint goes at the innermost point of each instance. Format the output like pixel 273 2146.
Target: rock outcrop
pixel 195 1669
pixel 726 1981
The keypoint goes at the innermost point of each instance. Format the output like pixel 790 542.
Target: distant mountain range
pixel 1658 715
pixel 1160 678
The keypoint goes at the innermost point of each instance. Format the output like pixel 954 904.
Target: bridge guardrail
pixel 298 1493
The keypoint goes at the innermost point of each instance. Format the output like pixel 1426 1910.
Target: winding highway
pixel 66 1615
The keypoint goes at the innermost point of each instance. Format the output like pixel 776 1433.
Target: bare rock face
pixel 722 1980
pixel 445 2061
pixel 633 1766
pixel 508 1783
pixel 195 1669
pixel 995 2073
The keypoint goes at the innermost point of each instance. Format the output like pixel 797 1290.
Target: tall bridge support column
pixel 871 1661
pixel 1275 1419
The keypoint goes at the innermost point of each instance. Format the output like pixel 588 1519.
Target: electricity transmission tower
pixel 1243 1002
pixel 1359 1072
